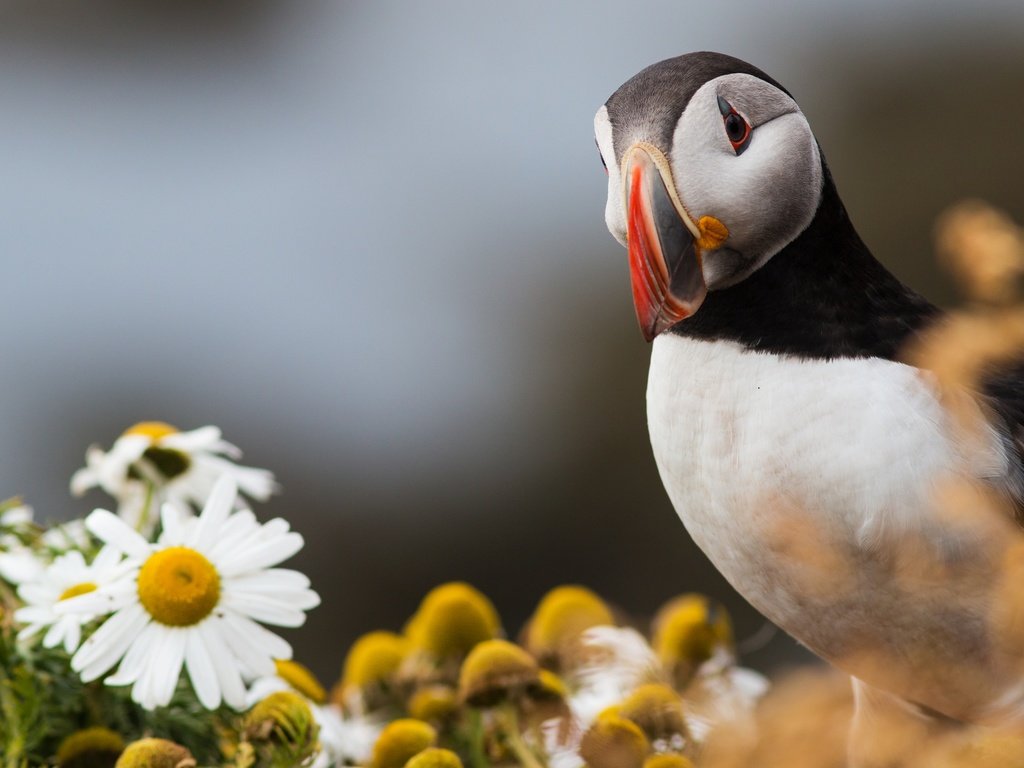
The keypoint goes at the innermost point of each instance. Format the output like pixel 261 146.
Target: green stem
pixel 519 748
pixel 144 515
pixel 477 758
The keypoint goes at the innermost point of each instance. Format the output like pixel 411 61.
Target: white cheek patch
pixel 614 213
pixel 768 194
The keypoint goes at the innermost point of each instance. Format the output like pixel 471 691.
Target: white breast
pixel 748 441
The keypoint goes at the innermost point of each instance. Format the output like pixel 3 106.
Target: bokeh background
pixel 367 241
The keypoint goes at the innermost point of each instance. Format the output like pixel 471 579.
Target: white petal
pixel 214 515
pixel 239 529
pixel 271 580
pixel 172 520
pixel 245 648
pixel 193 440
pixel 135 660
pixel 34 614
pixel 108 643
pixel 228 676
pixel 73 635
pixel 83 480
pixel 201 671
pixel 268 611
pixel 108 527
pixel 30 631
pixel 274 646
pixel 108 557
pixel 144 691
pixel 54 636
pixel 263 555
pixel 168 670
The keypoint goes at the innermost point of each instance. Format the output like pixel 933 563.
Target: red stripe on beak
pixel 664 266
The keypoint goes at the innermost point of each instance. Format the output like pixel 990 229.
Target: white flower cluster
pixel 165 588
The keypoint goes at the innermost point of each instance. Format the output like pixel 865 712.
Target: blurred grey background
pixel 367 241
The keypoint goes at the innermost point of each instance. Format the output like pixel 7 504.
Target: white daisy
pixel 193 599
pixel 343 740
pixel 153 463
pixel 64 579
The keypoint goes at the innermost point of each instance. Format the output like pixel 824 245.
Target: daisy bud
pixel 373 659
pixel 452 619
pixel 435 758
pixel 301 679
pixel 155 753
pixel 282 730
pixel 90 748
pixel 614 742
pixel 668 760
pixel 433 703
pixel 400 741
pixel 657 709
pixel 495 671
pixel 561 616
pixel 688 630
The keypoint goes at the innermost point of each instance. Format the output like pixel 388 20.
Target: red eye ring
pixel 737 129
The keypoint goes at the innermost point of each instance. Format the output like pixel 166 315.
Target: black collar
pixel 822 296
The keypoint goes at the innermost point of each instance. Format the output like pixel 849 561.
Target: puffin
pixel 806 457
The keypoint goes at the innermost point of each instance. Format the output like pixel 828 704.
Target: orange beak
pixel 665 263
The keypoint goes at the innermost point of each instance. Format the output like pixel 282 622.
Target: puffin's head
pixel 712 170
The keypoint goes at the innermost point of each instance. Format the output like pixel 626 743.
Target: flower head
pixel 688 631
pixel 66 578
pixel 452 619
pixel 193 599
pixel 658 710
pixel 562 614
pixel 614 742
pixel 373 658
pixel 400 741
pixel 153 463
pixel 90 747
pixel 282 729
pixel 344 739
pixel 435 758
pixel 496 670
pixel 155 753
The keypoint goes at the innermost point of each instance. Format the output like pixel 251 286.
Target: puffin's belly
pixel 752 446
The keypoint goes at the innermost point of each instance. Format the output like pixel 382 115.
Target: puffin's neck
pixel 822 296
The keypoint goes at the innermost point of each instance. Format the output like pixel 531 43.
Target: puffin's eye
pixel 737 129
pixel 603 163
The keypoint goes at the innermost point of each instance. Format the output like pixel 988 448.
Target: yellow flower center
pixel 77 589
pixel 154 430
pixel 301 679
pixel 178 586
